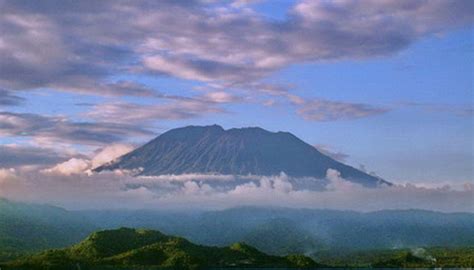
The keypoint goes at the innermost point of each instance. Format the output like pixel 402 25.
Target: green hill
pixel 130 248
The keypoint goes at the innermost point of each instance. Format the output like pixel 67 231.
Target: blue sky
pixel 388 84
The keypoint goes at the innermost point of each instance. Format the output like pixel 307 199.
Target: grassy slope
pixel 138 248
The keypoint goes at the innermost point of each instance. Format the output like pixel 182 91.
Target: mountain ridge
pixel 273 230
pixel 237 151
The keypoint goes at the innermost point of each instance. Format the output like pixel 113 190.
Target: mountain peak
pixel 208 127
pixel 236 151
pixel 192 128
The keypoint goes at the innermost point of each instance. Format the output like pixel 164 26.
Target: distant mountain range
pixel 33 227
pixel 275 231
pixel 244 151
pixel 129 248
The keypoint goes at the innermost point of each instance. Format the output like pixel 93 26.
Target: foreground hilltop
pixel 147 249
pixel 126 248
pixel 237 151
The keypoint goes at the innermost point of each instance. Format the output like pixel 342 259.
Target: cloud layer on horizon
pixel 120 190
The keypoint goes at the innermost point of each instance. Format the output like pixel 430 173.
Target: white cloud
pixel 84 165
pixel 110 153
pixel 175 110
pixel 81 47
pixel 221 97
pixel 72 166
pixel 327 110
pixel 115 190
pixel 226 42
pixel 337 183
pixel 7 175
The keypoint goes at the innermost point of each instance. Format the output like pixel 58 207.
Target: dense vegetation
pixel 130 248
pixel 269 229
pixel 328 236
pixel 29 228
pixel 281 237
pixel 462 257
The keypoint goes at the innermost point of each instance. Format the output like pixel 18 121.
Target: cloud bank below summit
pixel 192 191
pixel 72 184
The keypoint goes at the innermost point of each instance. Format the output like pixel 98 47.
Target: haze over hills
pixel 32 227
pixel 275 231
pixel 237 151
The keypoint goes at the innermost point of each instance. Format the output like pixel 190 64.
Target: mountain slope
pixel 123 248
pixel 32 227
pixel 211 149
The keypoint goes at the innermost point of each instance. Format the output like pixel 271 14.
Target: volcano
pixel 236 151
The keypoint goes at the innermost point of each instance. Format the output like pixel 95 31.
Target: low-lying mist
pixel 84 190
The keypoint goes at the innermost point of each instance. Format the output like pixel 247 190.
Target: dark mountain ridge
pixel 276 231
pixel 236 151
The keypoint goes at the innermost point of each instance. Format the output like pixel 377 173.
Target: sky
pixel 383 85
